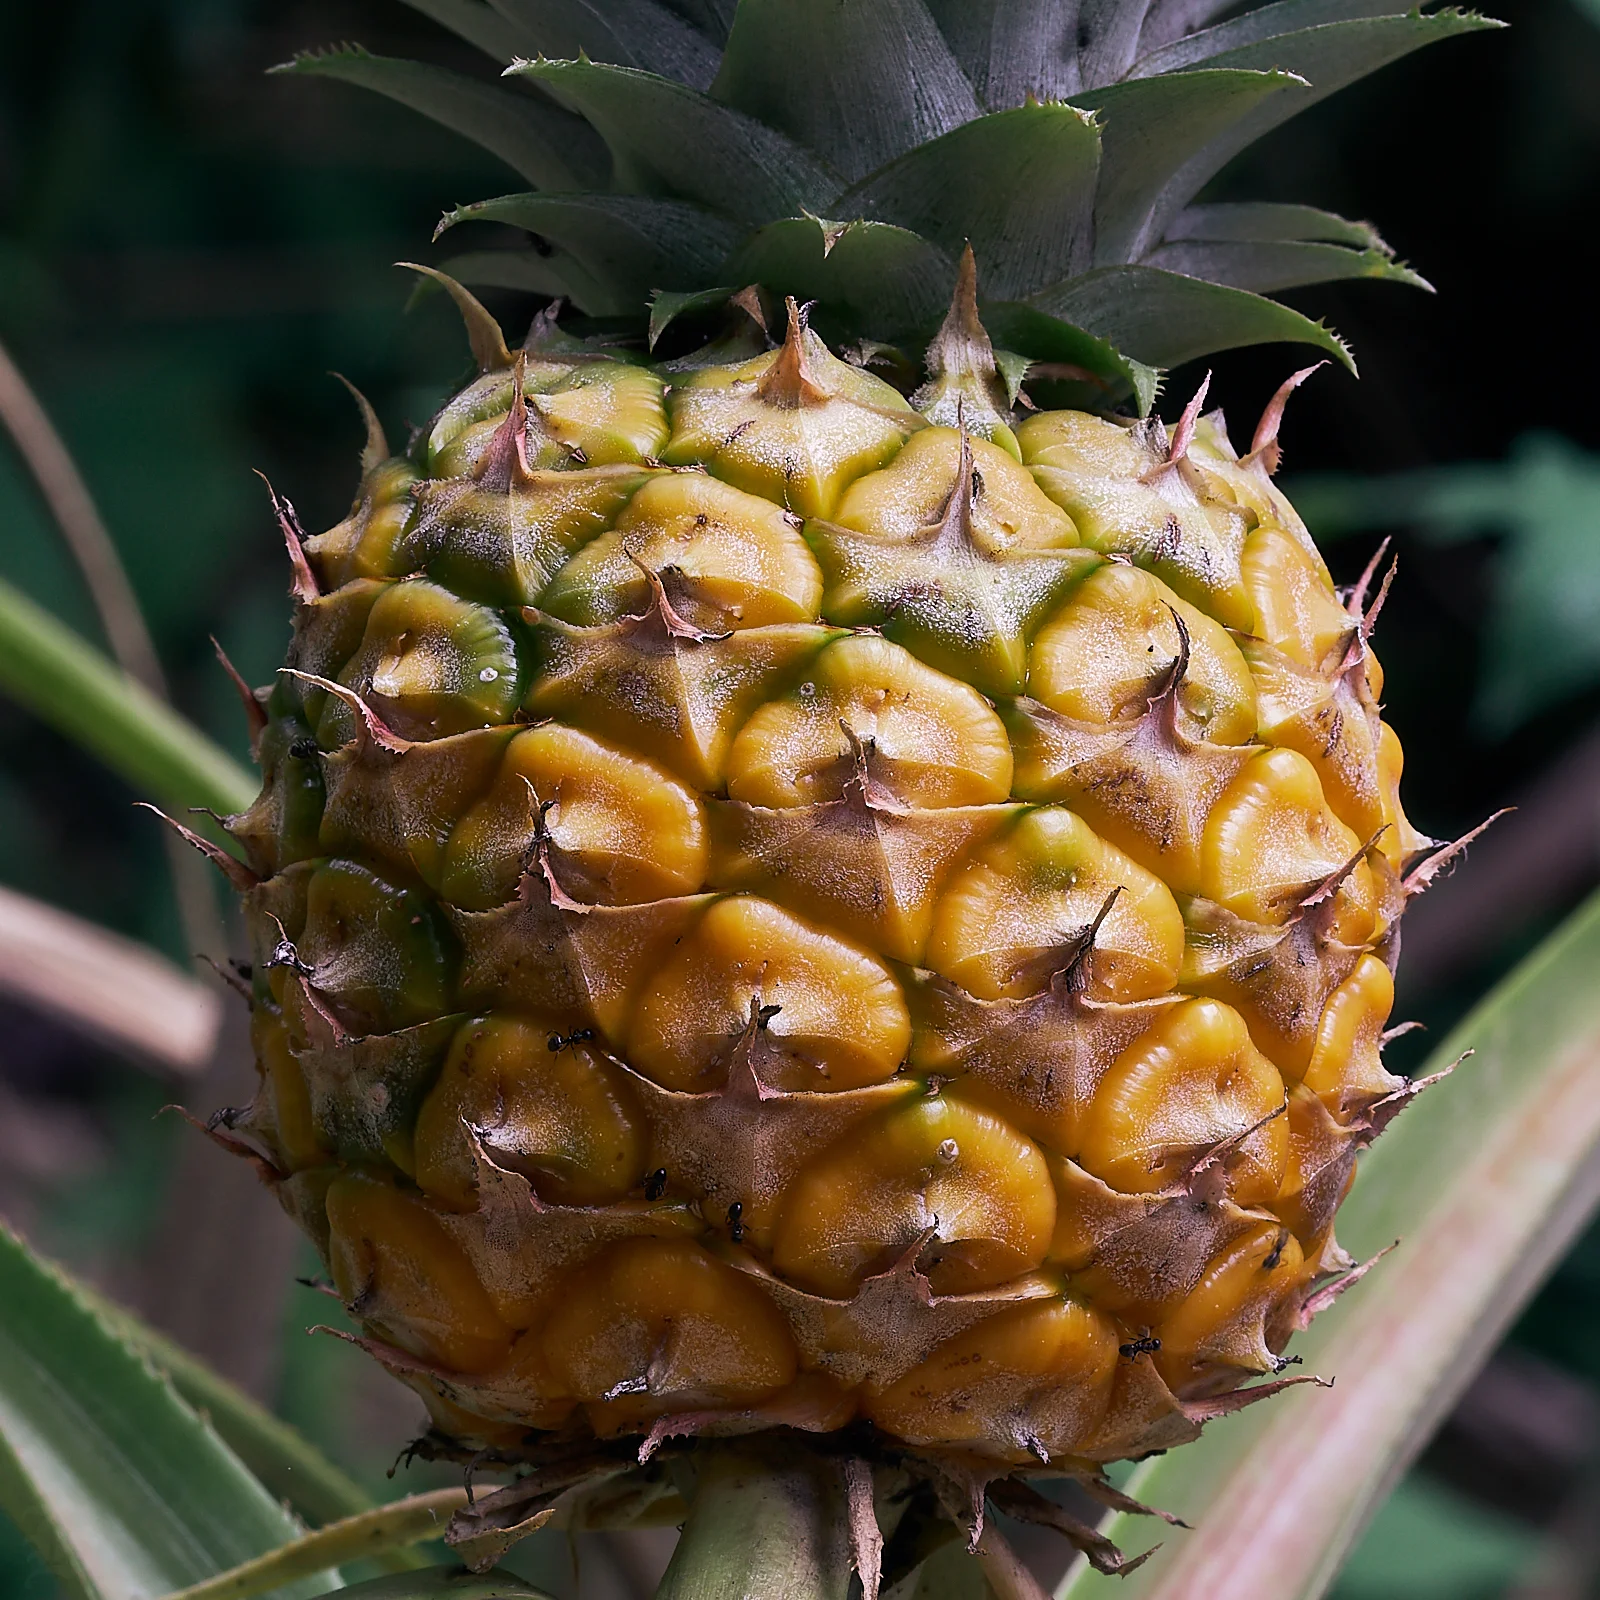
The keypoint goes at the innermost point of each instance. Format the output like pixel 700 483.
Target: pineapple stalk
pixel 764 1518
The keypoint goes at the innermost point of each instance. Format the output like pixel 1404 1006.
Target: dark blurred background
pixel 188 248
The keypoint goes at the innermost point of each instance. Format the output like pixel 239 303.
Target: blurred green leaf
pixel 1542 642
pixel 444 1583
pixel 125 1491
pixel 1430 1543
pixel 286 1462
pixel 62 678
pixel 369 1534
pixel 1485 1180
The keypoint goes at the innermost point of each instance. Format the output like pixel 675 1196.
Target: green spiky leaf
pixel 625 246
pixel 713 18
pixel 1163 138
pixel 288 1465
pixel 1164 318
pixel 1262 219
pixel 124 1490
pixel 860 82
pixel 378 1531
pixel 443 1583
pixel 810 94
pixel 625 33
pixel 1108 376
pixel 1271 266
pixel 868 274
pixel 1330 53
pixel 667 139
pixel 524 270
pixel 1011 51
pixel 666 307
pixel 1259 27
pixel 1022 182
pixel 497 36
pixel 548 147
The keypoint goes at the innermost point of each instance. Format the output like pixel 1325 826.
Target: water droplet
pixel 488 675
pixel 948 1151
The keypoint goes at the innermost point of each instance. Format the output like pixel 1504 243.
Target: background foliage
pixel 186 247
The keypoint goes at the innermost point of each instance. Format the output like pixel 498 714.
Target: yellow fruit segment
pixel 1320 1170
pixel 1099 658
pixel 840 1021
pixel 1022 911
pixel 795 426
pixel 657 1326
pixel 1125 499
pixel 1401 842
pixel 1346 1071
pixel 1297 611
pixel 429 665
pixel 363 545
pixel 397 1268
pixel 501 538
pixel 671 693
pixel 727 559
pixel 518 1375
pixel 937 1164
pixel 1229 1326
pixel 1272 842
pixel 1182 1091
pixel 1009 511
pixel 286 1117
pixel 1048 1367
pixel 621 829
pixel 926 739
pixel 551 1108
pixel 594 413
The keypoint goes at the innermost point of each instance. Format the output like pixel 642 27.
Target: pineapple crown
pixel 846 152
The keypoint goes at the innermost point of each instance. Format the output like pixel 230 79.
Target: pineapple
pixel 818 867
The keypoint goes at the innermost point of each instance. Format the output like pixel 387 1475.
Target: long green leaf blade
pixel 1268 219
pixel 1018 185
pixel 443 1583
pixel 550 148
pixel 877 278
pixel 625 33
pixel 289 1466
pixel 1484 1180
pixel 1156 135
pixel 1010 51
pixel 632 244
pixel 375 1532
pixel 1165 318
pixel 1047 339
pixel 125 1491
pixel 479 25
pixel 668 140
pixel 524 270
pixel 1329 57
pixel 1260 25
pixel 858 81
pixel 47 668
pixel 1269 266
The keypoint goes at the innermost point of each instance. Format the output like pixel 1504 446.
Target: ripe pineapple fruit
pixel 790 896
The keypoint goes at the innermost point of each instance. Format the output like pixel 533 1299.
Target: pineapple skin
pixel 773 912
